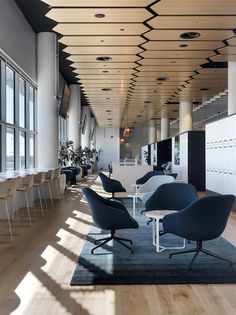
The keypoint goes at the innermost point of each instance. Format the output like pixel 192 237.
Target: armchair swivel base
pixel 197 250
pixel 105 240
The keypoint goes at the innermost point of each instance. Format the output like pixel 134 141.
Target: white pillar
pixel 86 118
pixel 185 116
pixel 151 135
pixel 231 87
pixel 74 115
pixel 93 133
pixel 165 128
pixel 158 133
pixel 48 139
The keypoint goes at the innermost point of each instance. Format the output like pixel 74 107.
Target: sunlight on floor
pixel 31 293
pixel 99 303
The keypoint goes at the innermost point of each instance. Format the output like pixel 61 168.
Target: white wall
pixel 108 141
pixel 17 39
pixel 182 168
pixel 221 156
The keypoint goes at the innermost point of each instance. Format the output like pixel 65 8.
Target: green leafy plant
pixel 66 152
pixel 76 156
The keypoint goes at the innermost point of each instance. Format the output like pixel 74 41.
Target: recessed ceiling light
pixel 183 45
pixel 99 15
pixel 162 79
pixel 104 58
pixel 106 89
pixel 189 35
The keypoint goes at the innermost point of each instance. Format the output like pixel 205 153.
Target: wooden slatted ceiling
pixel 93 65
pixel 182 45
pixel 100 29
pixel 98 3
pixel 107 50
pixel 137 61
pixel 104 70
pixel 92 58
pixel 174 34
pixel 193 7
pixel 82 15
pixel 101 40
pixel 193 22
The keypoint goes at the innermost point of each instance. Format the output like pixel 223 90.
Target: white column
pixel 86 117
pixel 185 116
pixel 158 133
pixel 93 130
pixel 74 115
pixel 165 128
pixel 152 135
pixel 231 87
pixel 48 139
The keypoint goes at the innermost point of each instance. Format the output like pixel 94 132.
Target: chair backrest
pixel 13 184
pixel 154 182
pixel 4 187
pixel 142 180
pixel 56 173
pixel 39 178
pixel 49 175
pixel 173 196
pixel 110 185
pixel 204 219
pixel 101 212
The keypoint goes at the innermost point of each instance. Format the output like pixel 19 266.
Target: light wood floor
pixel 36 268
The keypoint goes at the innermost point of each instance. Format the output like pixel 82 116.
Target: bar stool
pixel 27 184
pixel 48 179
pixel 4 194
pixel 38 182
pixel 55 179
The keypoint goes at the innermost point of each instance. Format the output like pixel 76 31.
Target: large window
pixel 10 149
pixel 10 95
pixel 17 124
pixel 31 151
pixel 21 103
pixel 31 107
pixel 22 150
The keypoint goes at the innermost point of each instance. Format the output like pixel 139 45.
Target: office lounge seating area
pixel 75 211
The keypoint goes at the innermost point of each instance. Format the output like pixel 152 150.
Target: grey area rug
pixel 113 264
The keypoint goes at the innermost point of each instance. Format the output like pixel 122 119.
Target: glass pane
pixel 31 108
pixel 10 87
pixel 31 151
pixel 22 150
pixel 10 149
pixel 22 103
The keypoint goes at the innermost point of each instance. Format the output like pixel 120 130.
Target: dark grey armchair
pixel 203 220
pixel 109 215
pixel 111 185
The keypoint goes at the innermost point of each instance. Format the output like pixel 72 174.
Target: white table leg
pixel 154 232
pixel 134 201
pixel 157 236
